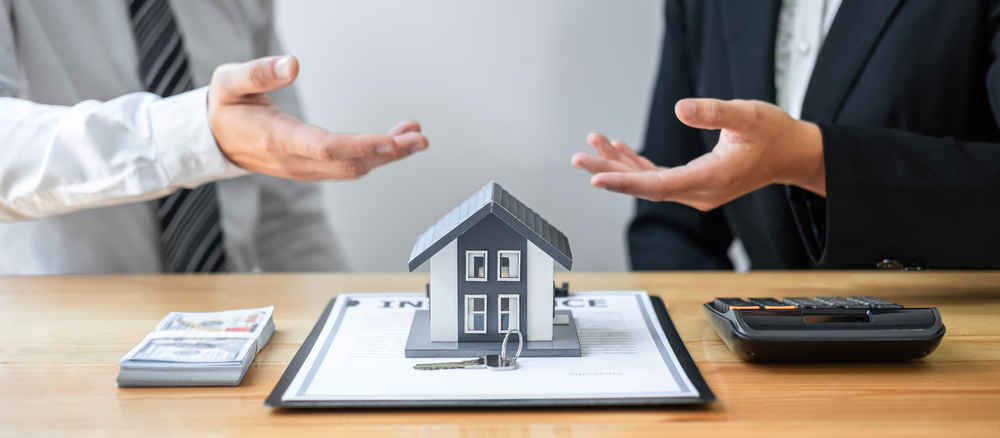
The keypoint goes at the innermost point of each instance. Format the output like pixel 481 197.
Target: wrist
pixel 808 169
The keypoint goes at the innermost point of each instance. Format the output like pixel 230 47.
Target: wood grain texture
pixel 61 337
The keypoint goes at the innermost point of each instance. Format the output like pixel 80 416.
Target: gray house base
pixel 565 342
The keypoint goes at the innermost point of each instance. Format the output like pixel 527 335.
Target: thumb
pixel 257 76
pixel 736 115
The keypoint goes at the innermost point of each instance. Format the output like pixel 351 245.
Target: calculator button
pixel 788 303
pixel 875 303
pixel 770 303
pixel 835 302
pixel 802 302
pixel 724 304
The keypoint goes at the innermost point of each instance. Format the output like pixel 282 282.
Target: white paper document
pixel 359 355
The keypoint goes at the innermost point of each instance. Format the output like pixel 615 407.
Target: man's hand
pixel 759 145
pixel 256 135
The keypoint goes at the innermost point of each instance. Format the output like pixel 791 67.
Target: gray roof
pixel 494 200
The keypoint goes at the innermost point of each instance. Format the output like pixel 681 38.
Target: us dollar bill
pixel 233 321
pixel 192 350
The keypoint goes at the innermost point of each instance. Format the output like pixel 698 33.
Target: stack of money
pixel 198 349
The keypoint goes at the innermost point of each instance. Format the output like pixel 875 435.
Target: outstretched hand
pixel 256 135
pixel 759 145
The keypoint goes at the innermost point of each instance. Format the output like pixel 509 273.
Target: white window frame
pixel 515 312
pixel 470 313
pixel 469 265
pixel 500 255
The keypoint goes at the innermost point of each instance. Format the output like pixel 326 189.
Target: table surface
pixel 61 337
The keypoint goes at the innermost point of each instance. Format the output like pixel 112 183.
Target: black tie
pixel 191 233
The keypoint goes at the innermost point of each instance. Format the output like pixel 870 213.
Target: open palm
pixel 758 145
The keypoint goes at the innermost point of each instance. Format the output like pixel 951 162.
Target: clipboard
pixel 705 394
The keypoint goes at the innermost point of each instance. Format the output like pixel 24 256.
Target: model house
pixel 491 262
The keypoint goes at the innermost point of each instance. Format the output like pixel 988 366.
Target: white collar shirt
pixel 802 27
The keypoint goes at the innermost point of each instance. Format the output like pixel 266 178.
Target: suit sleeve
pixel 667 235
pixel 892 194
pixel 903 196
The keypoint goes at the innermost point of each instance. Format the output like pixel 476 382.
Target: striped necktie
pixel 191 232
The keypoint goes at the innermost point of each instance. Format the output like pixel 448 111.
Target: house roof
pixel 492 199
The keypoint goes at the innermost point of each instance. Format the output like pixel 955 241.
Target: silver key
pixel 492 361
pixel 495 362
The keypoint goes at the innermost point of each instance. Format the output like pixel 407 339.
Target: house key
pixel 495 362
pixel 491 361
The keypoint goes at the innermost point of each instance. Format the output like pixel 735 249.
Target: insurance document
pixel 359 355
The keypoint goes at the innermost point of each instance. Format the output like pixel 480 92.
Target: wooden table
pixel 61 337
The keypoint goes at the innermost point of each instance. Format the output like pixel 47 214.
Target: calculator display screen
pixel 864 317
pixel 838 319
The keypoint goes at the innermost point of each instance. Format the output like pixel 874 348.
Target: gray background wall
pixel 506 91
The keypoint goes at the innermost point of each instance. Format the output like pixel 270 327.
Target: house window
pixel 475 313
pixel 508 312
pixel 509 268
pixel 475 265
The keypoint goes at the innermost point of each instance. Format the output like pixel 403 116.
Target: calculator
pixel 824 328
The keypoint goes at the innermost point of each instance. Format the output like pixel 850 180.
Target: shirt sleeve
pixel 60 159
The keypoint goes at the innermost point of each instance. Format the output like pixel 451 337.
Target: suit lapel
pixel 855 31
pixel 749 28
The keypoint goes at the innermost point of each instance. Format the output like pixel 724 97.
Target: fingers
pixel 405 136
pixel 312 153
pixel 735 115
pixel 645 185
pixel 405 126
pixel 306 169
pixel 411 141
pixel 341 146
pixel 627 152
pixel 665 184
pixel 233 81
pixel 602 146
pixel 290 136
pixel 703 183
pixel 595 164
pixel 614 156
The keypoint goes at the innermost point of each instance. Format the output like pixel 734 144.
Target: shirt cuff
pixel 184 141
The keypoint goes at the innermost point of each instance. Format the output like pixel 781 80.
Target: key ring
pixel 503 347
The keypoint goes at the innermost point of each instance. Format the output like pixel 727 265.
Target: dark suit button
pixel 889 264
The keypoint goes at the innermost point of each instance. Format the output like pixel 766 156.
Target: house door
pixel 508 313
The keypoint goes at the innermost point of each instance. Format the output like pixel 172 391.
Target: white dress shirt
pixel 802 27
pixel 84 153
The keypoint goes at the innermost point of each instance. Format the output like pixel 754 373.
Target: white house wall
pixel 444 294
pixel 540 267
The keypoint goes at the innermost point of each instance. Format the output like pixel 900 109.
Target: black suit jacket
pixel 905 93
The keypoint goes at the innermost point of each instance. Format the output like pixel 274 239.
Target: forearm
pixel 58 159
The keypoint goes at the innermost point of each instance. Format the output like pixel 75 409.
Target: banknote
pixel 191 350
pixel 245 321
